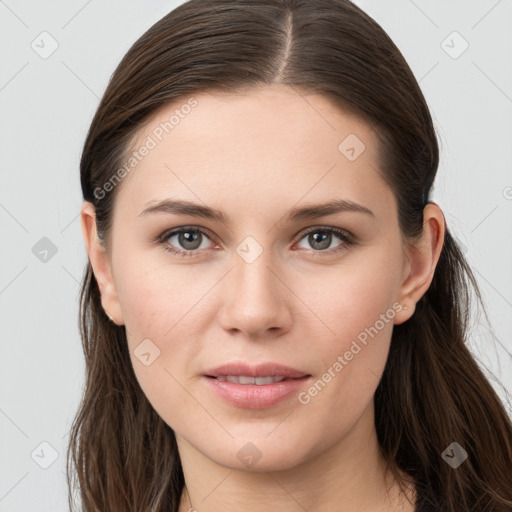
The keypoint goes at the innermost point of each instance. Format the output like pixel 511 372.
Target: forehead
pixel 270 146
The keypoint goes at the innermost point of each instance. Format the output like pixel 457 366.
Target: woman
pixel 274 314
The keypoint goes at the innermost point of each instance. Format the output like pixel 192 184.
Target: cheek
pixel 163 323
pixel 352 296
pixel 357 307
pixel 165 313
pixel 156 296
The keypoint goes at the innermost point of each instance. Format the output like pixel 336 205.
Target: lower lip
pixel 252 396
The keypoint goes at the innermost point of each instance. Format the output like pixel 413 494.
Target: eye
pixel 190 240
pixel 320 239
pixel 186 241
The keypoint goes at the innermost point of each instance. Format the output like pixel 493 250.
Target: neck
pixel 349 475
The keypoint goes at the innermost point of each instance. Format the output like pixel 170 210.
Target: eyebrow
pixel 313 211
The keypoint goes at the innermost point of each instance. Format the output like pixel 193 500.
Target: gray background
pixel 46 107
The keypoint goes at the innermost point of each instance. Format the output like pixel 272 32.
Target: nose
pixel 256 299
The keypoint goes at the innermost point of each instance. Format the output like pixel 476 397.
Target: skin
pixel 255 157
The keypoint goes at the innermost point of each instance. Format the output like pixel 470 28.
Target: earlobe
pixel 100 262
pixel 422 259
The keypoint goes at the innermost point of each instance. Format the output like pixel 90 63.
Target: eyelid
pixel 175 231
pixel 340 232
pixel 162 239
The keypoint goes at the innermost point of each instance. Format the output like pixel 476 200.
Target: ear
pixel 422 258
pixel 101 264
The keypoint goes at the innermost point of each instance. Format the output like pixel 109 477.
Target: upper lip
pixel 261 370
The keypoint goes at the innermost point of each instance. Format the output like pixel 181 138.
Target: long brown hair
pixel 122 456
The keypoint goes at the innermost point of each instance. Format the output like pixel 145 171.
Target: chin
pixel 257 456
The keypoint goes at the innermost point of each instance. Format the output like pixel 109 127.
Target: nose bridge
pixel 254 298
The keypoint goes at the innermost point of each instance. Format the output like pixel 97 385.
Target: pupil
pixel 189 237
pixel 323 240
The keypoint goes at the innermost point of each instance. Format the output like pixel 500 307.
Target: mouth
pixel 248 380
pixel 255 387
pixel 248 374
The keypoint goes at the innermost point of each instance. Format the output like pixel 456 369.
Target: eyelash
pixel 347 238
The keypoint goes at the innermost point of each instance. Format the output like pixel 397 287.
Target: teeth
pixel 259 381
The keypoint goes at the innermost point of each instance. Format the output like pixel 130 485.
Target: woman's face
pixel 272 282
